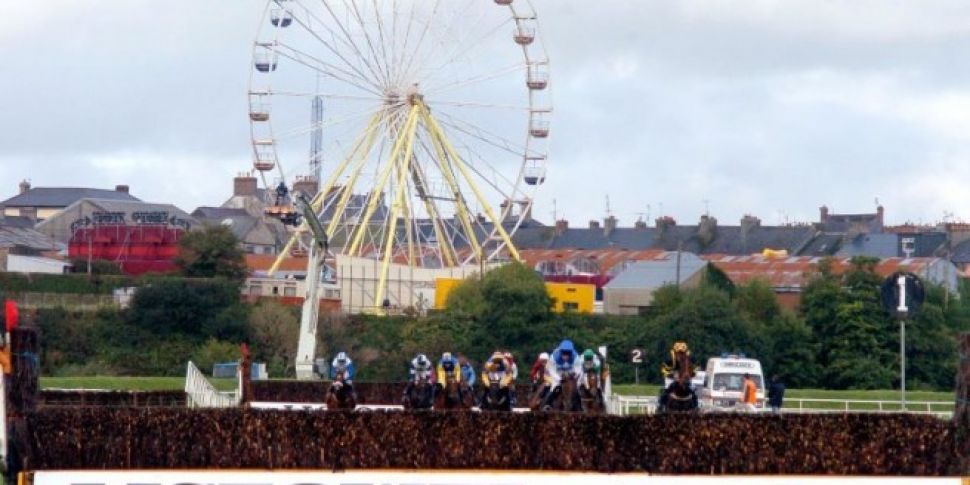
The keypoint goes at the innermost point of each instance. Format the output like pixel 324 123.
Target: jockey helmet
pixel 446 357
pixel 680 347
pixel 422 359
pixel 588 354
pixel 544 356
pixel 342 357
pixel 497 357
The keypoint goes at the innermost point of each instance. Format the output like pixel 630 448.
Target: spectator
pixel 776 393
pixel 750 396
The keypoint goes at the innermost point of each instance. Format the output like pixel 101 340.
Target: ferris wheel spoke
pixel 407 62
pixel 309 13
pixel 483 135
pixel 461 83
pixel 304 129
pixel 370 44
pixel 388 62
pixel 327 69
pixel 352 44
pixel 312 94
pixel 456 54
pixel 474 105
pixel 440 40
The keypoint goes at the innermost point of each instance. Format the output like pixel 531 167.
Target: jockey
pixel 515 375
pixel 590 362
pixel 539 375
pixel 562 361
pixel 421 368
pixel 342 363
pixel 499 364
pixel 467 371
pixel 669 370
pixel 448 365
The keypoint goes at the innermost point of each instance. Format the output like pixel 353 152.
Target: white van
pixel 724 382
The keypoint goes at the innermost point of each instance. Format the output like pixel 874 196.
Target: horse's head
pixel 683 366
pixel 592 380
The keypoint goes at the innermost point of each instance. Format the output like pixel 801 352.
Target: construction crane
pixel 307 347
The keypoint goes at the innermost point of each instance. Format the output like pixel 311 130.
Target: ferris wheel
pixel 425 123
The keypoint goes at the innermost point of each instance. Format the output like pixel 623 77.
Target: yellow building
pixel 567 296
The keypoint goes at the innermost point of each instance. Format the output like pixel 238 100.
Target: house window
pixel 276 291
pixel 570 306
pixel 255 290
pixel 289 291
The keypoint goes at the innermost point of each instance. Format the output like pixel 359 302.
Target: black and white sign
pixel 636 356
pixel 903 294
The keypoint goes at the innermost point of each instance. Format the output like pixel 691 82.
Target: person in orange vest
pixel 749 399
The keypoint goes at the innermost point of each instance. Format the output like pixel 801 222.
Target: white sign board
pixel 205 477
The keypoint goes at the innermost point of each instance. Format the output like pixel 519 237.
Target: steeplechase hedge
pixel 161 438
pixel 50 397
pixel 314 391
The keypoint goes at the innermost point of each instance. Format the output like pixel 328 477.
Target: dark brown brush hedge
pixel 51 397
pixel 159 438
pixel 367 392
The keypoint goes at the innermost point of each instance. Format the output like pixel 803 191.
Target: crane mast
pixel 307 346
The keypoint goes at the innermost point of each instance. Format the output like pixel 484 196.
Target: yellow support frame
pixel 346 194
pixel 372 200
pixel 397 206
pixel 444 243
pixel 320 196
pixel 461 206
pixel 456 159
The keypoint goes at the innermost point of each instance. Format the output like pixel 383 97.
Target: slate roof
pixel 25 237
pixel 961 253
pixel 656 273
pixel 17 221
pixel 876 245
pixel 727 239
pixel 63 196
pixel 218 212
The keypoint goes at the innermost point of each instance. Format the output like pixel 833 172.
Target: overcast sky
pixel 771 108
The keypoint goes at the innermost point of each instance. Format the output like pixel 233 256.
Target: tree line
pixel 839 337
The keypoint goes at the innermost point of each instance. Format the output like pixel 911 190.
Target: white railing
pixel 942 409
pixel 200 393
pixel 626 405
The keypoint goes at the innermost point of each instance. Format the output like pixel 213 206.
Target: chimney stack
pixel 594 224
pixel 823 214
pixel 526 210
pixel 880 214
pixel 121 188
pixel 609 225
pixel 24 186
pixel 561 226
pixel 308 185
pixel 640 224
pixel 244 185
pixel 665 222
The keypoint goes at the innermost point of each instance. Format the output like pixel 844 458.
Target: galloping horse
pixel 497 396
pixel 420 395
pixel 679 396
pixel 451 397
pixel 566 397
pixel 340 395
pixel 590 395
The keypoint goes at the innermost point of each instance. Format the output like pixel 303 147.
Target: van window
pixel 729 381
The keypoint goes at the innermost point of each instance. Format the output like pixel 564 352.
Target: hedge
pixel 163 438
pixel 63 283
pixel 367 392
pixel 111 398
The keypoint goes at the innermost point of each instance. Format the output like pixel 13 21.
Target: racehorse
pixel 679 396
pixel 535 398
pixel 565 397
pixel 340 395
pixel 590 395
pixel 420 395
pixel 451 396
pixel 497 396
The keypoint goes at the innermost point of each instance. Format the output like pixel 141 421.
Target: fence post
pixel 961 413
